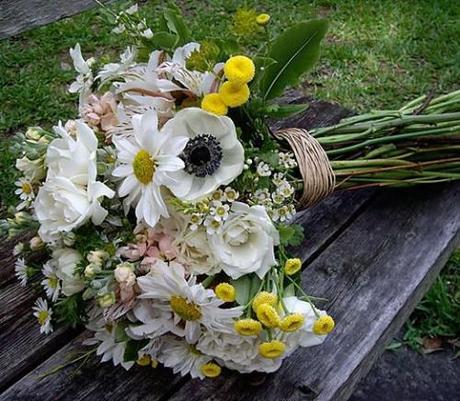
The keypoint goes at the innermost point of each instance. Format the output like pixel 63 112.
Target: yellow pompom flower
pixel 226 292
pixel 213 103
pixel 239 70
pixel 211 369
pixel 272 349
pixel 292 266
pixel 263 19
pixel 268 316
pixel 291 323
pixel 248 327
pixel 264 297
pixel 234 95
pixel 324 325
pixel 144 360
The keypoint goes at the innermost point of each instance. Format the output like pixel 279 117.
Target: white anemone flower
pixel 144 163
pixel 43 314
pixel 111 70
pixel 51 282
pixel 183 358
pixel 213 156
pixel 192 304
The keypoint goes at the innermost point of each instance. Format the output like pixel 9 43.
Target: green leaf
pixel 163 40
pixel 242 289
pixel 291 235
pixel 132 348
pixel 285 110
pixel 296 51
pixel 246 288
pixel 120 332
pixel 176 24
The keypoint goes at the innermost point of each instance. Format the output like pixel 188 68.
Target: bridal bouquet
pixel 162 212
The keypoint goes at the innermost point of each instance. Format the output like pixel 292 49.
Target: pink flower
pixel 99 112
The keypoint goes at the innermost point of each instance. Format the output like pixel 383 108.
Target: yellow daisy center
pixel 26 188
pixel 144 360
pixel 144 166
pixel 42 317
pixel 211 369
pixel 292 322
pixel 272 349
pixel 324 325
pixel 186 310
pixel 52 282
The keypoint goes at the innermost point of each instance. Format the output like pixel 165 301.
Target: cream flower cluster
pixel 163 224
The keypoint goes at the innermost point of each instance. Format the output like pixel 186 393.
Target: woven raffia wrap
pixel 315 168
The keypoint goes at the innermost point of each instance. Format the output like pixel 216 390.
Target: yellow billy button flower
pixel 248 327
pixel 213 103
pixel 144 166
pixel 291 323
pixel 234 95
pixel 263 19
pixel 144 360
pixel 211 369
pixel 225 292
pixel 292 266
pixel 324 325
pixel 268 316
pixel 272 349
pixel 264 297
pixel 239 70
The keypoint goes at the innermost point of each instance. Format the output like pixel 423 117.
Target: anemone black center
pixel 202 156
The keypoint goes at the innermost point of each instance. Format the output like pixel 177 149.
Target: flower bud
pixel 124 274
pixel 106 300
pixel 97 257
pixel 36 243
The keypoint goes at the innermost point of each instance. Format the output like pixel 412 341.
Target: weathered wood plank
pixel 17 16
pixel 374 274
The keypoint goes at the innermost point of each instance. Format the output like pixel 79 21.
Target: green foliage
pixel 9 175
pixel 173 20
pixel 295 51
pixel 291 235
pixel 438 314
pixel 71 310
pixel 246 288
pixel 132 349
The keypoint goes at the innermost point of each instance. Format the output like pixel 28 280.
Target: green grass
pixel 438 314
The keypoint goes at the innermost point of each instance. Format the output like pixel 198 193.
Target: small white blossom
pixel 231 194
pixel 218 195
pixel 195 219
pixel 287 160
pixel 278 179
pixel 285 189
pixel 132 10
pixel 277 198
pixel 219 210
pixel 43 314
pixel 263 169
pixel 213 225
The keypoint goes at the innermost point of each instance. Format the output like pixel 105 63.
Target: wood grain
pixel 374 273
pixel 17 16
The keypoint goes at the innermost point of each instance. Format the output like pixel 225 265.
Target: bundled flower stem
pixel 417 144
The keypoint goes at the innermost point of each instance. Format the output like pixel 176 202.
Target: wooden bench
pixel 372 254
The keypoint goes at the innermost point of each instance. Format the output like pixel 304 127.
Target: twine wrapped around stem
pixel 314 165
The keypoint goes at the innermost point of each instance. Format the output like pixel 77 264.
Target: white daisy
pixel 25 191
pixel 20 270
pixel 192 304
pixel 213 156
pixel 183 358
pixel 108 346
pixel 43 314
pixel 51 282
pixel 144 162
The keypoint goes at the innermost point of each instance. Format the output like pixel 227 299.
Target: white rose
pixel 65 261
pixel 246 242
pixel 70 195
